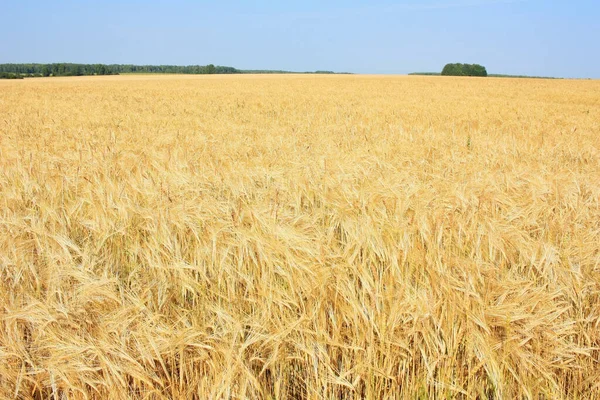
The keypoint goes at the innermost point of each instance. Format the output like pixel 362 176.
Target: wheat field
pixel 299 237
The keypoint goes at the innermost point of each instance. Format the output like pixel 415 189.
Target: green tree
pixel 464 70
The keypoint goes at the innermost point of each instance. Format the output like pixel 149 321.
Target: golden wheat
pixel 301 236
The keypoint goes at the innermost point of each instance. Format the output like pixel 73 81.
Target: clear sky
pixel 533 37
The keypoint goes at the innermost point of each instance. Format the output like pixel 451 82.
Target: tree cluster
pixel 464 70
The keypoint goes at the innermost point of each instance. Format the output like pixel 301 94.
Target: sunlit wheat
pixel 278 237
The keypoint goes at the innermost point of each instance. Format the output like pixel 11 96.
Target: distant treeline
pixel 70 69
pixel 16 71
pixel 173 69
pixel 57 69
pixel 522 76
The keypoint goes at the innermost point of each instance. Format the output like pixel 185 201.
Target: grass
pixel 299 237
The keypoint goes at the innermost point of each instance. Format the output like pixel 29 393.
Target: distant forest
pixel 70 69
pixel 17 71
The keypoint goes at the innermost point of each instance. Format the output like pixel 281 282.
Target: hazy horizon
pixel 527 37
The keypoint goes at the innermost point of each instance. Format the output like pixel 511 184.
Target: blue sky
pixel 534 37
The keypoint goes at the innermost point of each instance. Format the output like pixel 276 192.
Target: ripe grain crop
pixel 286 237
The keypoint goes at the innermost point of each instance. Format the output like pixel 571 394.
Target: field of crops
pixel 278 237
